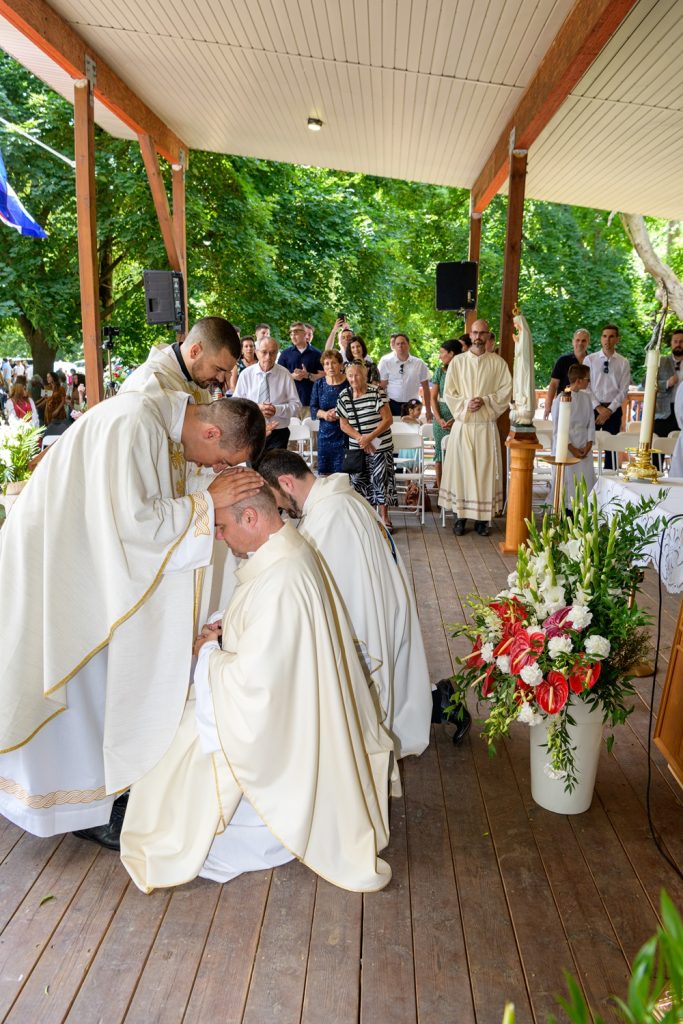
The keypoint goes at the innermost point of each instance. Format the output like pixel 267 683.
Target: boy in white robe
pixel 369 572
pixel 581 431
pixel 281 736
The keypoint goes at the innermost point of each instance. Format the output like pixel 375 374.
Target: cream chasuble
pixel 298 736
pixel 215 582
pixel 472 481
pixel 102 502
pixel 371 578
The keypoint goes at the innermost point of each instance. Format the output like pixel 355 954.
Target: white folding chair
pixel 409 464
pixel 300 434
pixel 427 431
pixel 666 445
pixel 444 446
pixel 313 426
pixel 616 443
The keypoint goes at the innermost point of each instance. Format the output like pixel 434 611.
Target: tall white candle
pixel 647 422
pixel 562 441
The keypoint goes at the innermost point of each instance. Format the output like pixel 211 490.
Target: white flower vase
pixel 12 492
pixel 586 737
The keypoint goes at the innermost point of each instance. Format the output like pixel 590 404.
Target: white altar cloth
pixel 609 489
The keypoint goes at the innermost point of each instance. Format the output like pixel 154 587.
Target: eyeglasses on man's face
pixel 401 368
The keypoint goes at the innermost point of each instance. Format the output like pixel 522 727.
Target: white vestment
pixel 297 734
pixel 97 661
pixel 676 467
pixel 472 477
pixel 581 431
pixel 369 573
pixel 215 583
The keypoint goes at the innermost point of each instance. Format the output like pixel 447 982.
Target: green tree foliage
pixel 274 242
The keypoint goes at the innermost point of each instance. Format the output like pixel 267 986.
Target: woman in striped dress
pixel 364 415
pixel 443 419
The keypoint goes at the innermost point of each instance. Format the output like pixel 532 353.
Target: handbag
pixel 354 458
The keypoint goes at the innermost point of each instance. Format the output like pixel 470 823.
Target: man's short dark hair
pixel 453 345
pixel 215 333
pixel 261 327
pixel 578 371
pixel 280 462
pixel 611 327
pixel 242 424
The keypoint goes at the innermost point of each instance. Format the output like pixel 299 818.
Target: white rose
pixel 528 715
pixel 503 663
pixel 558 645
pixel 531 674
pixel 580 616
pixel 597 646
pixel 486 653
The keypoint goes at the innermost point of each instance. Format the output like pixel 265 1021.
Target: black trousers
pixel 396 407
pixel 278 439
pixel 612 426
pixel 662 428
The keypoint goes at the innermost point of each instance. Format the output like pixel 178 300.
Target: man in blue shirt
pixel 303 362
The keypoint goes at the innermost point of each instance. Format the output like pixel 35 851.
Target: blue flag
pixel 12 213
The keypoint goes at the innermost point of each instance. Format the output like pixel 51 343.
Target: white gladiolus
pixel 512 580
pixel 558 645
pixel 503 663
pixel 531 674
pixel 573 549
pixel 580 616
pixel 597 646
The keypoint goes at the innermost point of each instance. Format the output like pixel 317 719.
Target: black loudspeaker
pixel 456 285
pixel 164 297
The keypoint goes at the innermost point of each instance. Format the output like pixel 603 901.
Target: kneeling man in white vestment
pixel 361 558
pixel 97 660
pixel 280 753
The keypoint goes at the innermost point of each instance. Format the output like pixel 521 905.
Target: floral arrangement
pixel 566 629
pixel 19 444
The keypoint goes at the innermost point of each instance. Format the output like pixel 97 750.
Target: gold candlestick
pixel 640 465
pixel 570 460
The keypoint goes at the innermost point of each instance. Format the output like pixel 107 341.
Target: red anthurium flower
pixel 526 648
pixel 474 659
pixel 509 611
pixel 557 623
pixel 583 677
pixel 523 691
pixel 488 680
pixel 552 693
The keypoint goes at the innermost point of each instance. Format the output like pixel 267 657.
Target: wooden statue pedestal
pixel 523 446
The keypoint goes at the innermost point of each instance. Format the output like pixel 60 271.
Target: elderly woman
pixel 20 405
pixel 332 442
pixel 359 350
pixel 364 415
pixel 443 420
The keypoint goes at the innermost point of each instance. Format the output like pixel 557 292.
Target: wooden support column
pixel 473 254
pixel 179 228
pixel 513 252
pixel 84 140
pixel 158 190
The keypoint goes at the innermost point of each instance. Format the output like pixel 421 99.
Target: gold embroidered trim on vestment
pixel 201 511
pixel 59 796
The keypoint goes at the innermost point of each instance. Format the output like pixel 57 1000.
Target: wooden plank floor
pixel 491 897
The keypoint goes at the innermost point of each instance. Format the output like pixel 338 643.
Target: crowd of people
pixel 53 403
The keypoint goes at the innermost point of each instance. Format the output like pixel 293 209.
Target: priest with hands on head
pixel 97 670
pixel 279 753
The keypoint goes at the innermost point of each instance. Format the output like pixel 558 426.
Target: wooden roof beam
pixel 584 33
pixel 54 36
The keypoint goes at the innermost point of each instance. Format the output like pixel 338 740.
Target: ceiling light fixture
pixel 314 124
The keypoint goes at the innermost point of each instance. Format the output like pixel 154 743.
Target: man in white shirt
pixel 610 380
pixel 261 331
pixel 271 386
pixel 402 375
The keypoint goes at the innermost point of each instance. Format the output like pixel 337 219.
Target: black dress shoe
pixel 462 720
pixel 459 527
pixel 108 835
pixel 483 529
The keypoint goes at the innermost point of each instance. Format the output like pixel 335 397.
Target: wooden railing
pixel 632 409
